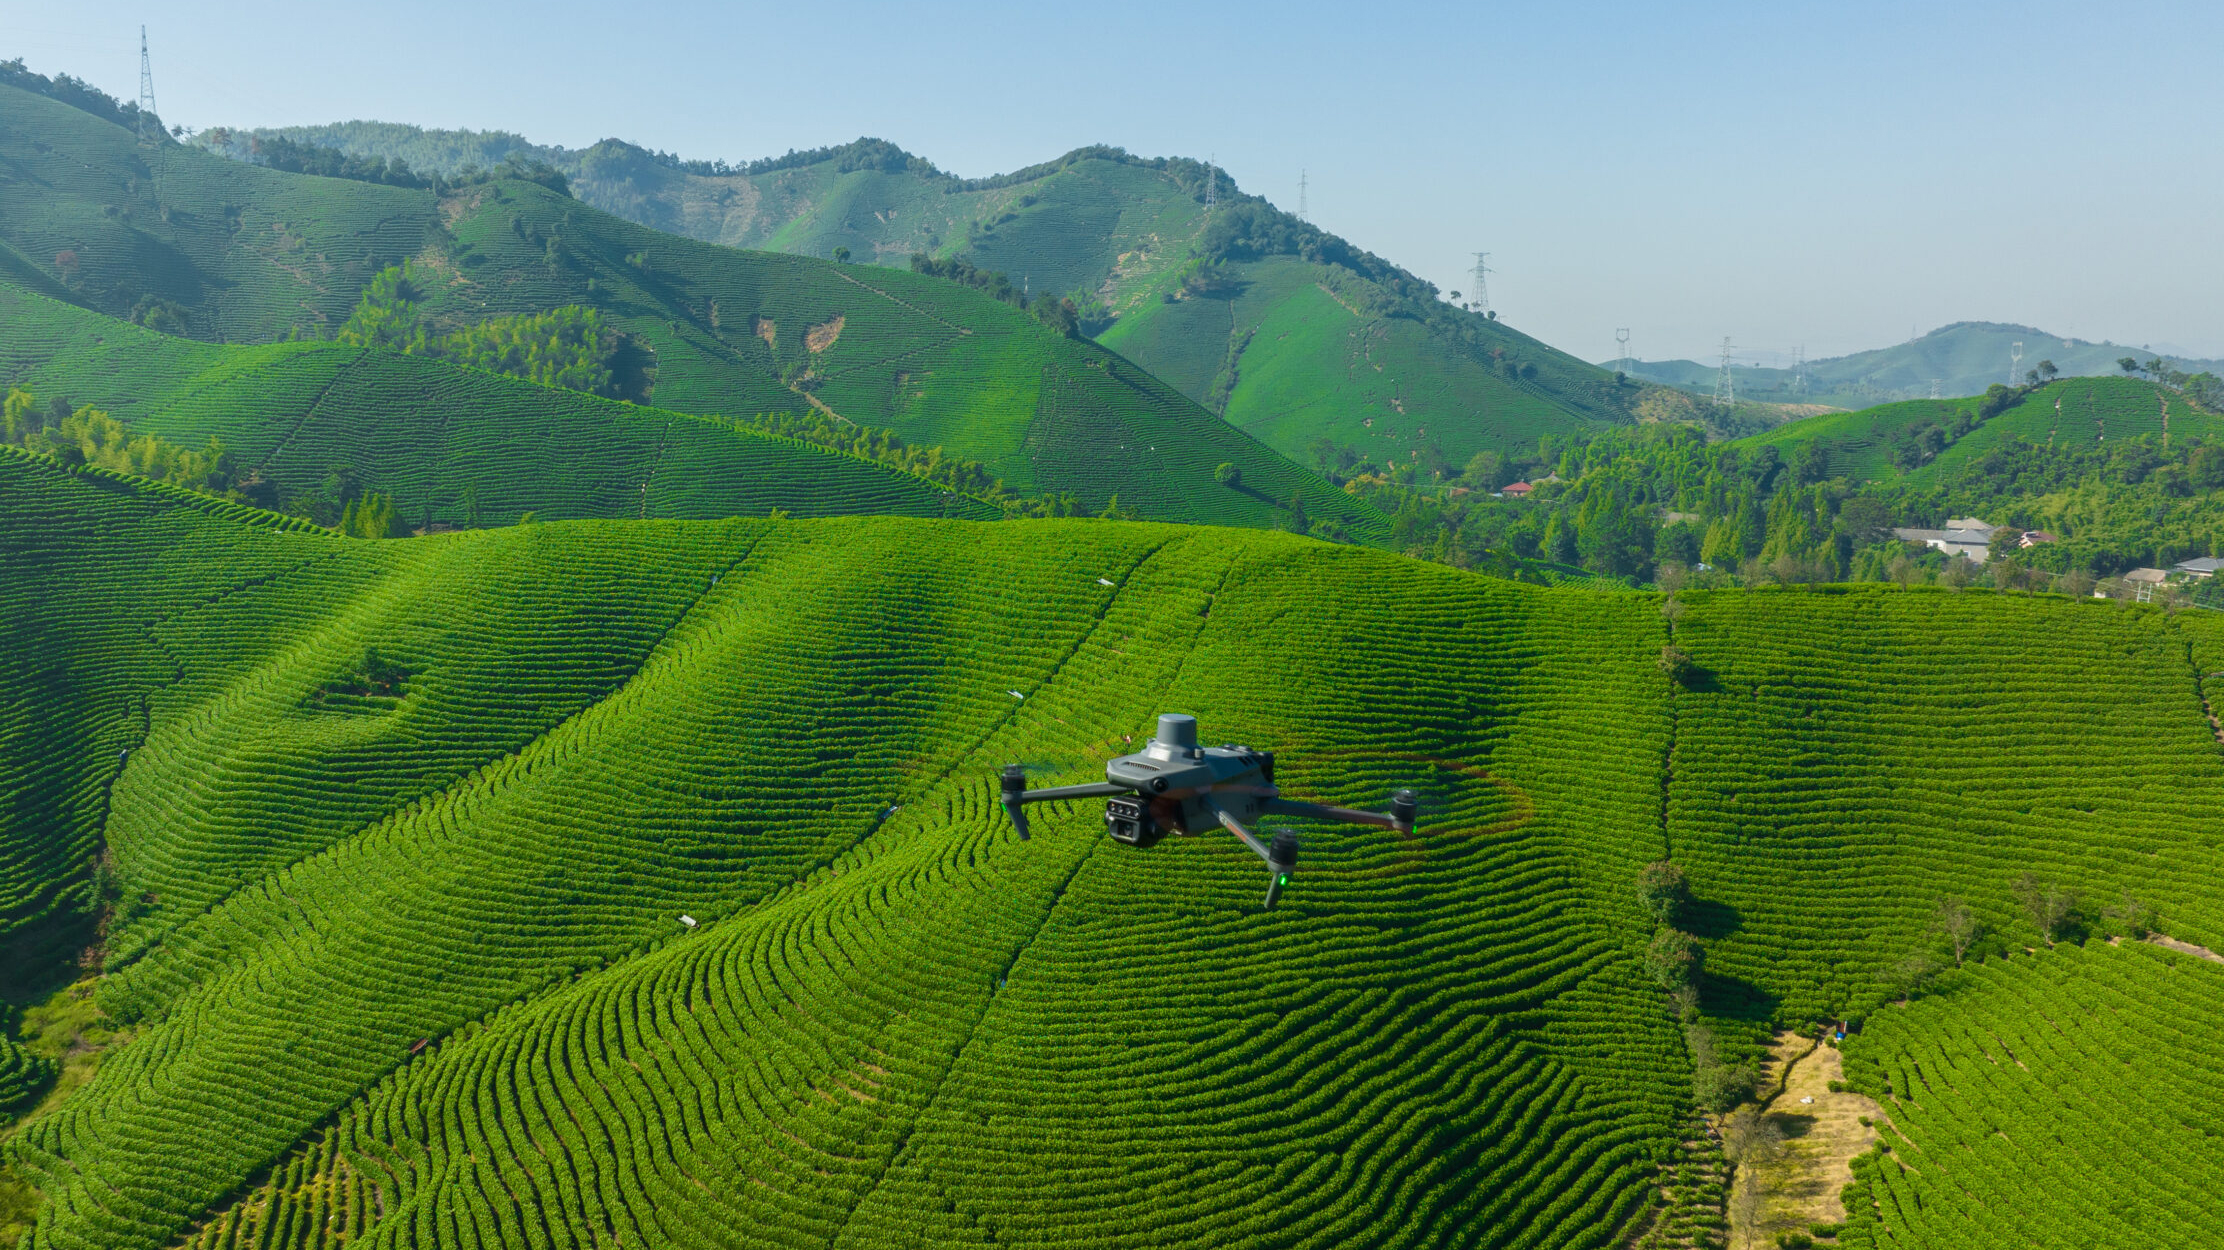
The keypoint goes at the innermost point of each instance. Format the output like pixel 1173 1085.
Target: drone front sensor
pixel 1174 785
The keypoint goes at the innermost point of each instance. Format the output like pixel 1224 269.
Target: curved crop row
pixel 2065 1099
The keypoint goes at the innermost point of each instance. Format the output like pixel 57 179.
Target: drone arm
pixel 1281 858
pixel 1235 827
pixel 1097 790
pixel 1318 811
pixel 1404 810
pixel 1015 795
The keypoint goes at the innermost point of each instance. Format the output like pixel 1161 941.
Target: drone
pixel 1174 785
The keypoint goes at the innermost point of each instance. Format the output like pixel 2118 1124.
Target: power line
pixel 146 89
pixel 1481 302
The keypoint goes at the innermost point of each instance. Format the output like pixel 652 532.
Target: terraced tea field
pixel 404 953
pixel 453 446
pixel 2067 1098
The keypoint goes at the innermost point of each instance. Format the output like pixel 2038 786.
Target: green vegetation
pixel 570 347
pixel 1290 332
pixel 2123 473
pixel 256 255
pixel 2066 1098
pixel 315 429
pixel 463 974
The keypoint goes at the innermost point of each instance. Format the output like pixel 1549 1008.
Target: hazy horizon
pixel 1788 176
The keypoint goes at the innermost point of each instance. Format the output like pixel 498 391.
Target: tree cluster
pixel 78 94
pixel 1060 313
pixel 571 346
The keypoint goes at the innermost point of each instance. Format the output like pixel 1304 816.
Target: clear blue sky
pixel 1787 174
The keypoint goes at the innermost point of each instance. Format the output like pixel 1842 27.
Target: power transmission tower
pixel 1938 388
pixel 1799 370
pixel 1301 196
pixel 1212 183
pixel 2015 361
pixel 146 89
pixel 1725 391
pixel 1622 361
pixel 1481 302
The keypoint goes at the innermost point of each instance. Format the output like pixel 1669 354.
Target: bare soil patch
pixel 2185 948
pixel 1822 1131
pixel 820 337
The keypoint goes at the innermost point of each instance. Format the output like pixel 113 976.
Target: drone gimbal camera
pixel 1174 785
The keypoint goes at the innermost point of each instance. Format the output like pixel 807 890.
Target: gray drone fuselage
pixel 1173 785
pixel 1172 779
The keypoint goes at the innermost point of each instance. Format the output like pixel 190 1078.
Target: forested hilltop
pixel 2113 473
pixel 184 241
pixel 1285 329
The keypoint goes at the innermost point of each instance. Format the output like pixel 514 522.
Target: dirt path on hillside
pixel 1822 1134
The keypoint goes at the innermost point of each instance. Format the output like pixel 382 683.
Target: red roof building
pixel 1519 490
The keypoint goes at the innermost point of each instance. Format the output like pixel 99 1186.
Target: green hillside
pixel 2061 1085
pixel 452 446
pixel 242 254
pixel 2070 413
pixel 450 1001
pixel 1300 337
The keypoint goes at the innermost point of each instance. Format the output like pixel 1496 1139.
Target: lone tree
pixel 1662 891
pixel 1227 473
pixel 1674 959
pixel 1959 924
pixel 2052 908
pixel 2128 364
pixel 2047 370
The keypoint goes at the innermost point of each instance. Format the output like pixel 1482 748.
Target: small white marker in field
pixel 1103 582
pixel 1015 694
pixel 689 921
pixel 1808 1098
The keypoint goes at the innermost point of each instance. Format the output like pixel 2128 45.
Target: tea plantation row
pixel 2067 1098
pixel 406 966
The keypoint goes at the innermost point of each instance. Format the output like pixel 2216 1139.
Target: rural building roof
pixel 1969 523
pixel 2201 567
pixel 2145 575
pixel 2032 538
pixel 1518 488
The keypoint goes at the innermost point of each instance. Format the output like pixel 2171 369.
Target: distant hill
pixel 1961 359
pixel 1294 334
pixel 232 252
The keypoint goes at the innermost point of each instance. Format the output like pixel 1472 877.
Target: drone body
pixel 1173 785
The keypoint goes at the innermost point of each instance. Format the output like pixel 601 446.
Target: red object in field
pixel 422 1042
